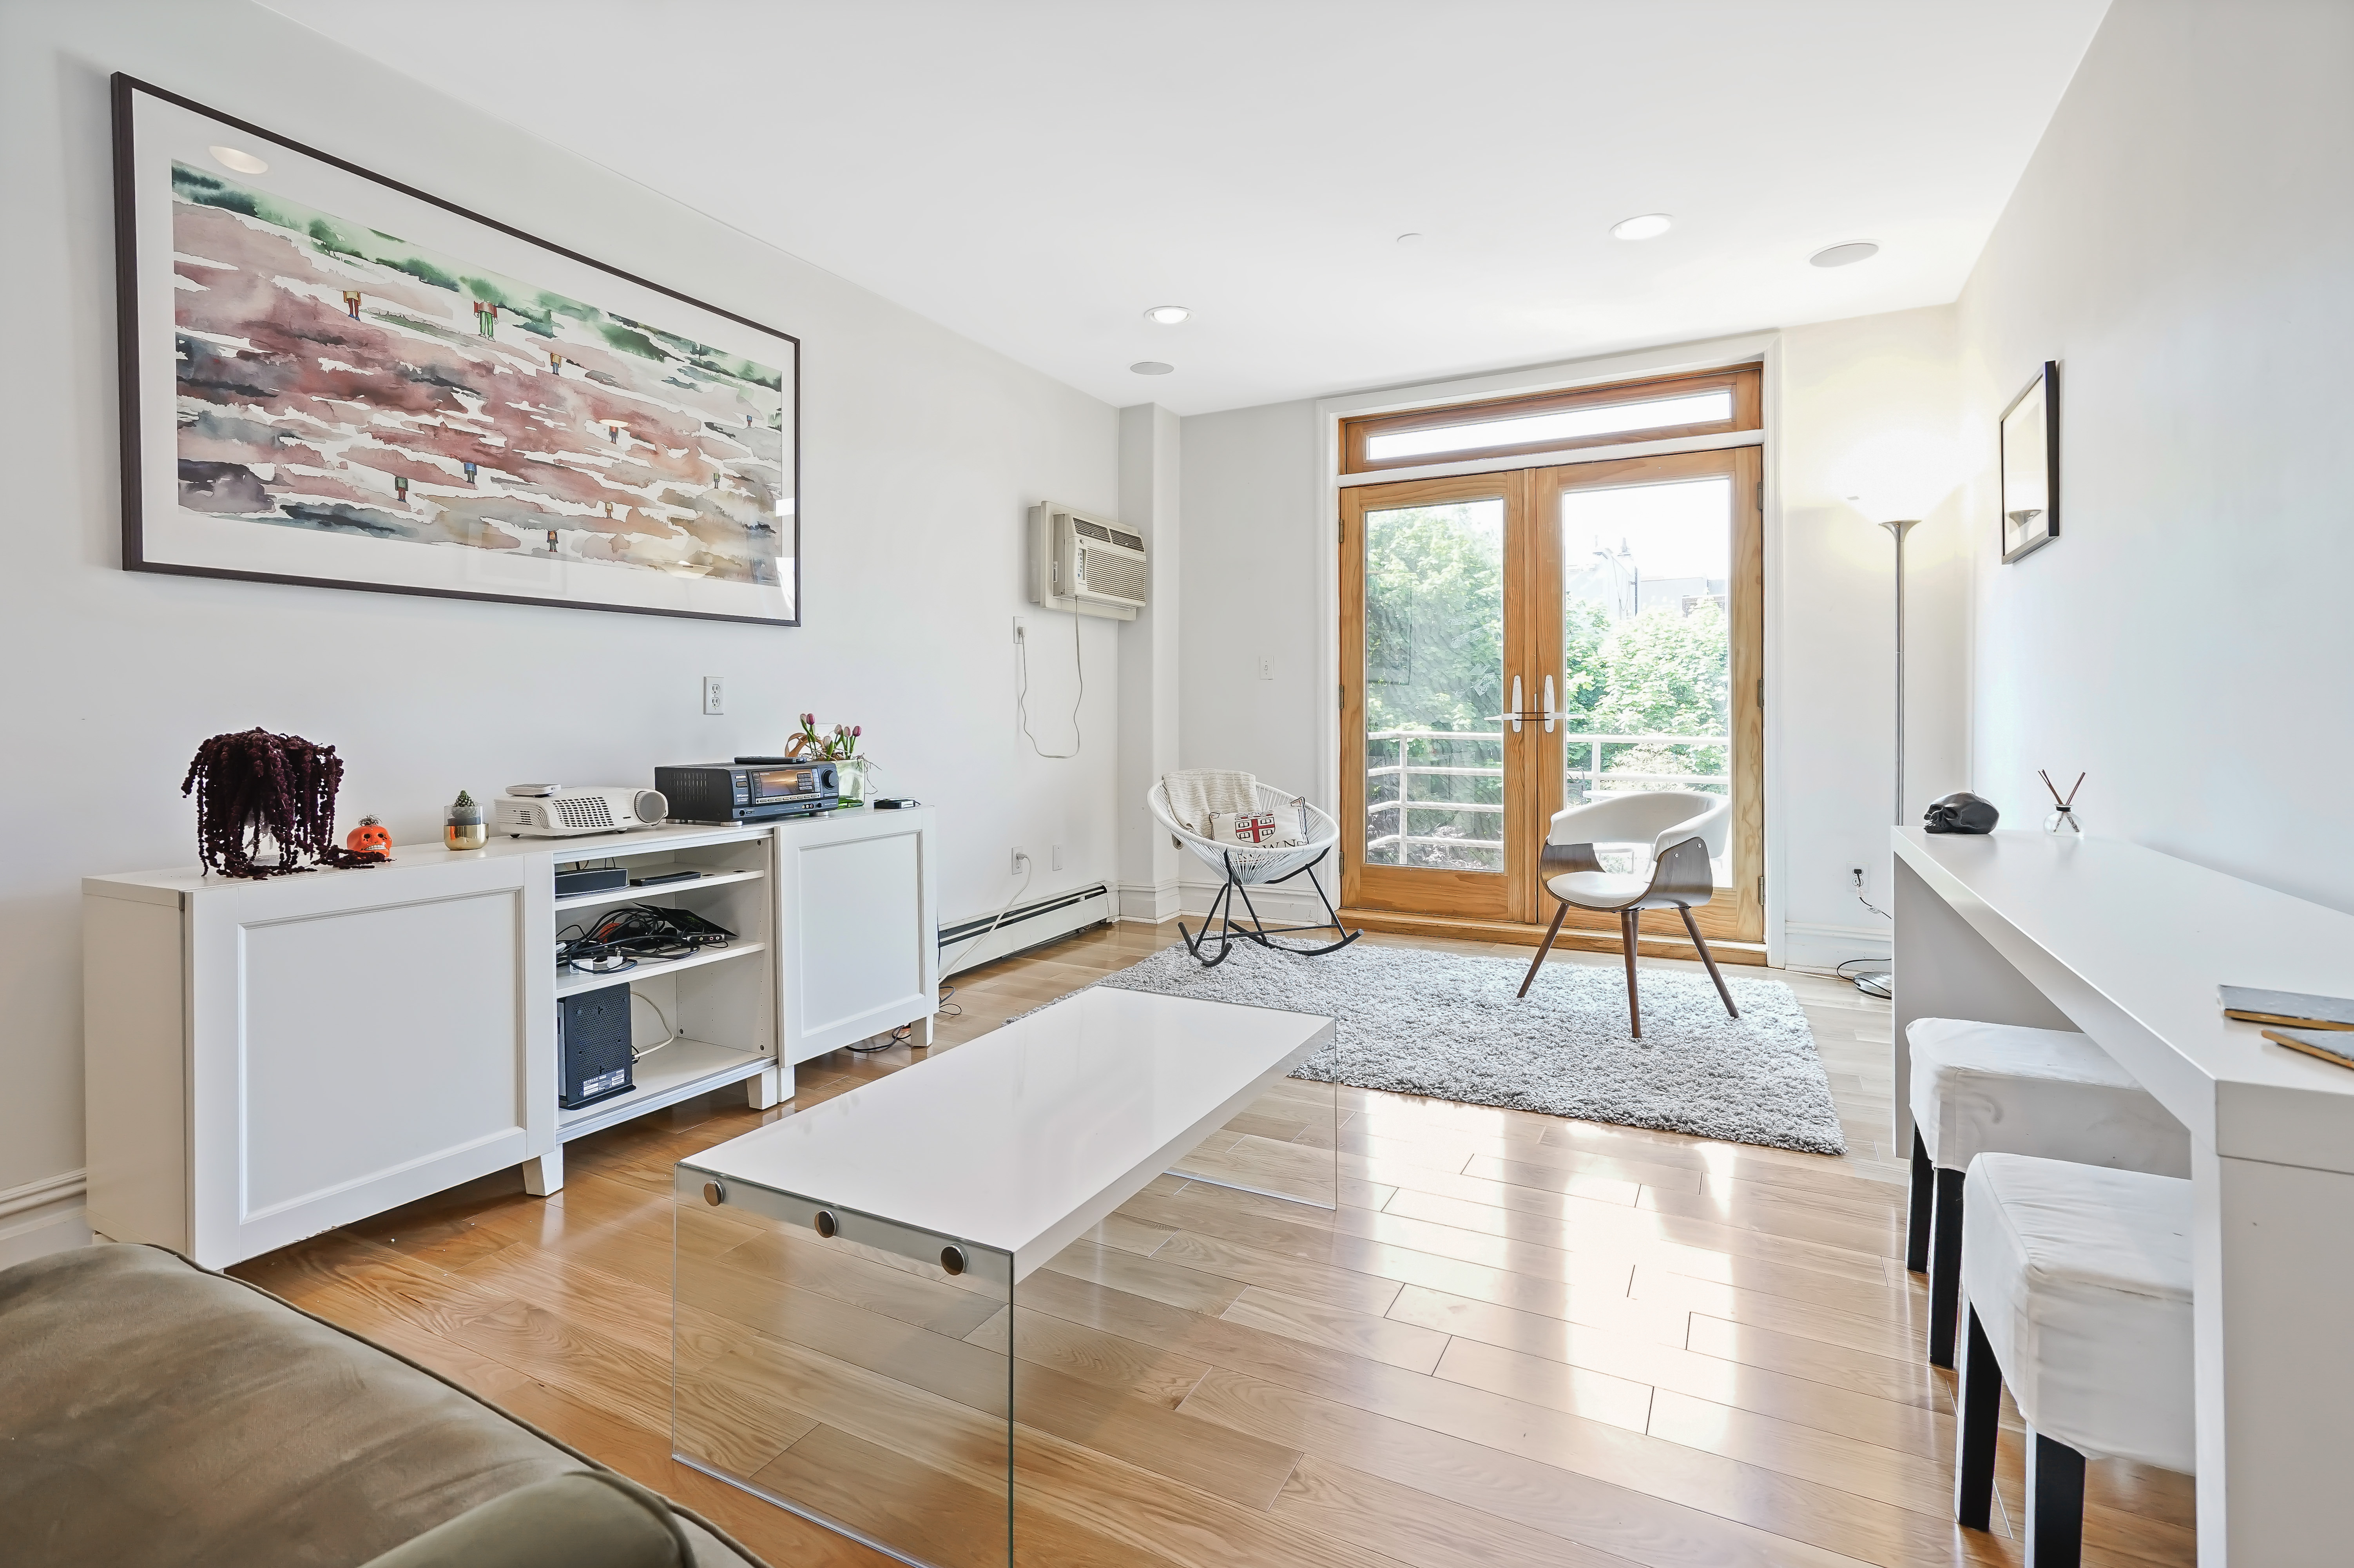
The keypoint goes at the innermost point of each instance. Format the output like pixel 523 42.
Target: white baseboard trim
pixel 50 1192
pixel 1148 902
pixel 43 1216
pixel 1809 946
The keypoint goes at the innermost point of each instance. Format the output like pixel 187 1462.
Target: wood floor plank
pixel 1601 1517
pixel 1421 1528
pixel 1163 1377
pixel 1385 1339
pixel 1291 1275
pixel 1611 1227
pixel 1160 1278
pixel 1896 1338
pixel 1520 1353
pixel 1907 1381
pixel 1804 1271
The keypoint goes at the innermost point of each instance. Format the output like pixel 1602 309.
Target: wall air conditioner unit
pixel 1084 563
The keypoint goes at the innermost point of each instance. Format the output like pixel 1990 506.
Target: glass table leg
pixel 853 1369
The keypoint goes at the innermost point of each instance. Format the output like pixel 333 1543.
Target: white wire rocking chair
pixel 1244 867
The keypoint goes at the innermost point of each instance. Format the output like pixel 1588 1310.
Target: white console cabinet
pixel 268 1060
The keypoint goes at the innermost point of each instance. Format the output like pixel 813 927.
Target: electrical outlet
pixel 1020 856
pixel 1054 858
pixel 715 697
pixel 1021 629
pixel 1266 668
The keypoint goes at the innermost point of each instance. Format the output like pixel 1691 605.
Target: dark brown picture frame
pixel 130 339
pixel 2028 421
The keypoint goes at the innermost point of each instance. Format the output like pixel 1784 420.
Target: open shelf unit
pixel 720 1002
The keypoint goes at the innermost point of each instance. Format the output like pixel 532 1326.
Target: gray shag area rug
pixel 1446 1026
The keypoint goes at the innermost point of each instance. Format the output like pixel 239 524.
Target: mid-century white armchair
pixel 1682 829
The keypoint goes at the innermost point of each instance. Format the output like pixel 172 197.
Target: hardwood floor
pixel 1520 1341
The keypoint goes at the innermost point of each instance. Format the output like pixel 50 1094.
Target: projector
pixel 563 812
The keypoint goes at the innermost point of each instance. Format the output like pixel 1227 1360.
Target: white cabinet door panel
pixel 373 1037
pixel 860 949
pixel 352 1069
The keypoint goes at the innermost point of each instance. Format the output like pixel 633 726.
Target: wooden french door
pixel 1515 643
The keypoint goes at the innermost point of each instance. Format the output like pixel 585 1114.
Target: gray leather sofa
pixel 155 1413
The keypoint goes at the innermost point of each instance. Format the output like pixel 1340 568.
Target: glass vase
pixel 2062 821
pixel 850 779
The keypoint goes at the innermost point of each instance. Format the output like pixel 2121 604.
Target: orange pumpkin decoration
pixel 369 838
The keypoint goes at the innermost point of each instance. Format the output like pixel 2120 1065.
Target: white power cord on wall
pixel 1029 867
pixel 1022 692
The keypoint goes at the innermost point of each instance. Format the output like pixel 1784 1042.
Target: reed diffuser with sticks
pixel 2063 818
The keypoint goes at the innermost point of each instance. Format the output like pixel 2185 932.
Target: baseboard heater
pixel 1025 926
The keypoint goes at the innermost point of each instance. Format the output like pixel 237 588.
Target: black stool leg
pixel 1977 1429
pixel 2056 1504
pixel 1916 1216
pixel 1945 1266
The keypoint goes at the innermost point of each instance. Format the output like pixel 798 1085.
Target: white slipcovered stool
pixel 2000 1088
pixel 2077 1282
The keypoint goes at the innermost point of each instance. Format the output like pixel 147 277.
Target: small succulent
pixel 465 799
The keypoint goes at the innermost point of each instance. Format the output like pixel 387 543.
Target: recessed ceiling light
pixel 1167 315
pixel 1152 367
pixel 1845 255
pixel 1650 226
pixel 1409 239
pixel 242 162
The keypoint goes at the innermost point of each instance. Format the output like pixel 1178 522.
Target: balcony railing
pixel 1582 784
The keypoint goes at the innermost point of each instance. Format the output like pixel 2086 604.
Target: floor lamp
pixel 1899 510
pixel 1883 983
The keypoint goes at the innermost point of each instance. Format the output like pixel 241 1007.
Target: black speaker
pixel 592 1046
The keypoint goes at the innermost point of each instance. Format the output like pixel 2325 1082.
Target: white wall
pixel 1150 660
pixel 2183 242
pixel 1252 505
pixel 1254 515
pixel 1854 393
pixel 921 453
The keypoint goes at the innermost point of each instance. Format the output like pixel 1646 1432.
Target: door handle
pixel 1516 704
pixel 1549 714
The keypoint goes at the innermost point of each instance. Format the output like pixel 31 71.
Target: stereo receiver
pixel 757 789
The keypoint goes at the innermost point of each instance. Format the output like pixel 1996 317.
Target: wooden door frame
pixel 1460 894
pixel 1733 926
pixel 1741 916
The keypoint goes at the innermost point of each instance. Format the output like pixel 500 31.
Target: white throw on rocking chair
pixel 1683 829
pixel 1251 836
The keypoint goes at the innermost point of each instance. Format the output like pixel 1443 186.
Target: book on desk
pixel 2291 1009
pixel 2320 1027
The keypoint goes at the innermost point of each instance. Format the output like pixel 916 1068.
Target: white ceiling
pixel 1034 173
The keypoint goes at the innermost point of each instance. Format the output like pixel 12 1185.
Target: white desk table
pixel 2129 945
pixel 846 1277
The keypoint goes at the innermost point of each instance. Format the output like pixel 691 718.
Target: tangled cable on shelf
pixel 614 942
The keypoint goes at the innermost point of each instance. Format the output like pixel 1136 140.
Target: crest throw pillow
pixel 1252 830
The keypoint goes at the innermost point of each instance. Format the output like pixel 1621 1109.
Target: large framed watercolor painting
pixel 333 379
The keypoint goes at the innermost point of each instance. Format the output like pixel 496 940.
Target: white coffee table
pixel 846 1275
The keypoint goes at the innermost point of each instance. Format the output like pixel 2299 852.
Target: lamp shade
pixel 1900 476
